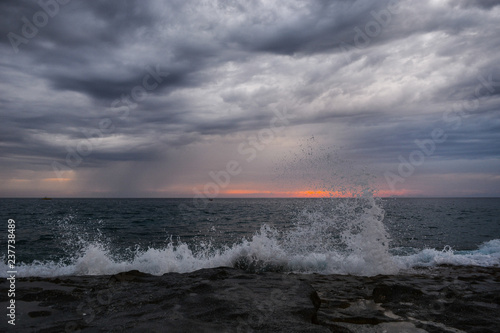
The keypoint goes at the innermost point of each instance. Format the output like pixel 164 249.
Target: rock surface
pixel 445 299
pixel 209 300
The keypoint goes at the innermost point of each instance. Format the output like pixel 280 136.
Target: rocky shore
pixel 443 299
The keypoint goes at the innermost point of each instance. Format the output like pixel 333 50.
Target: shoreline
pixel 438 299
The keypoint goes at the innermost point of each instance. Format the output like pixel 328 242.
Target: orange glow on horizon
pixel 319 194
pixel 311 193
pixel 57 179
pixel 286 194
pixel 253 190
pixel 245 192
pixel 17 180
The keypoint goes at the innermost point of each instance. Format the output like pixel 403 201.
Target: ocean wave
pixel 487 255
pixel 261 253
pixel 265 251
pixel 348 238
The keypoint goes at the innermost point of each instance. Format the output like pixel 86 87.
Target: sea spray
pixel 344 236
pixel 329 235
pixel 344 228
pixel 341 233
pixel 487 255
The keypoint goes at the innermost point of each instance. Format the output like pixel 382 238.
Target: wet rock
pixel 444 299
pixel 385 293
pixel 209 300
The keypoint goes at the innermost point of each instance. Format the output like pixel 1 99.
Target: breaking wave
pixel 333 237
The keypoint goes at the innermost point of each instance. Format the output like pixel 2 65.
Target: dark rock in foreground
pixel 445 299
pixel 209 300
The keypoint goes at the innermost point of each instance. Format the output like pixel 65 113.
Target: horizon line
pixel 218 198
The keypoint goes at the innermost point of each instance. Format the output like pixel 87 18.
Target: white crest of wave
pixel 347 237
pixel 331 236
pixel 487 255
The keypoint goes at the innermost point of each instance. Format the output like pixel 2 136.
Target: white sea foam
pixel 487 255
pixel 347 238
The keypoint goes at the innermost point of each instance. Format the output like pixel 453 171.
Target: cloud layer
pixel 145 98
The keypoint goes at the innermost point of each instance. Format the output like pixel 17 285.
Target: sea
pixel 363 236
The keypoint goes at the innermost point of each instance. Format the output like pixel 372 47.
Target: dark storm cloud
pixel 231 64
pixel 315 29
pixel 475 139
pixel 484 4
pixel 82 24
pixel 109 88
pixel 84 33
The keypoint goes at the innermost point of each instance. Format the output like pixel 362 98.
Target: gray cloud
pixel 232 64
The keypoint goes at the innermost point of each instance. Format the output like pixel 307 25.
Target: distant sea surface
pixel 363 236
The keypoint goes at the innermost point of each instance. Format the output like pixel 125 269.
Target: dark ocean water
pixel 348 236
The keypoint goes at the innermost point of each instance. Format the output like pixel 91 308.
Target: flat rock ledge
pixel 444 299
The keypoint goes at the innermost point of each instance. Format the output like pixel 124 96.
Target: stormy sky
pixel 153 98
